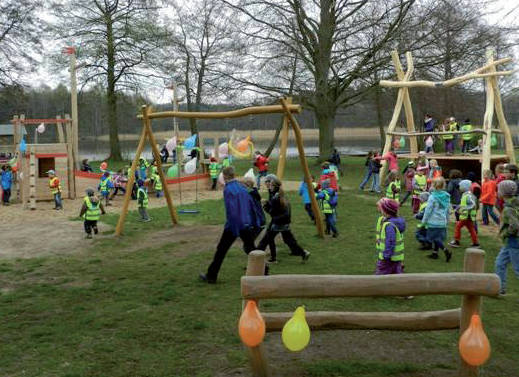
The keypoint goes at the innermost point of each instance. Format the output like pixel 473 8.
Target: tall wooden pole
pixel 70 165
pixel 73 99
pixel 283 145
pixel 488 118
pixel 474 262
pixel 306 170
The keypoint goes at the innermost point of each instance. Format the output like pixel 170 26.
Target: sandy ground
pixel 45 231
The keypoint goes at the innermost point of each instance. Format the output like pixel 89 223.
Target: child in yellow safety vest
pixel 91 211
pixel 449 126
pixel 393 186
pixel 390 238
pixel 55 189
pixel 142 201
pixel 157 185
pixel 466 137
pixel 214 171
pixel 467 215
pixel 419 186
pixel 421 229
pixel 105 187
pixel 327 198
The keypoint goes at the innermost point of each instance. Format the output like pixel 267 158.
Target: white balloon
pixel 221 181
pixel 223 150
pixel 171 144
pixel 190 166
pixel 41 128
pixel 429 142
pixel 250 174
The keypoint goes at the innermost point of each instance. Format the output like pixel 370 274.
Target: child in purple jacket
pixel 390 238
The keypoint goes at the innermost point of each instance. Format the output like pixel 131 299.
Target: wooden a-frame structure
pixel 493 103
pixel 286 107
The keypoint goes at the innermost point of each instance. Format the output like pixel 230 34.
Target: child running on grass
pixel 142 201
pixel 303 192
pixel 488 197
pixel 367 170
pixel 436 217
pixel 91 211
pixel 467 215
pixel 421 228
pixel 328 201
pixel 390 238
pixel 509 232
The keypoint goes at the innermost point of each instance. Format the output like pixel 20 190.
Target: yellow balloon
pixel 296 333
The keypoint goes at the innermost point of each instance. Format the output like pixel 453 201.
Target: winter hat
pixel 140 182
pixel 89 192
pixel 388 206
pixel 507 188
pixel 465 185
pixel 510 168
pixel 471 176
pixel 424 196
pixel 273 179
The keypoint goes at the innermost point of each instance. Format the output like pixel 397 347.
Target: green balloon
pixel 173 171
pixel 493 141
pixel 402 142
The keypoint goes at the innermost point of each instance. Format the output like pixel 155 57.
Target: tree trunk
pixel 380 122
pixel 274 139
pixel 326 120
pixel 115 147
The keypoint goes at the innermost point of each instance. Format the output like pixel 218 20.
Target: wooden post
pixel 72 193
pixel 258 360
pixel 32 180
pixel 488 118
pixel 306 170
pixel 474 262
pixel 407 98
pixel 283 145
pixel 16 131
pixel 73 100
pixel 156 154
pixel 59 127
pixel 131 179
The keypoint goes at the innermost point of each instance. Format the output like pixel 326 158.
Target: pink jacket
pixel 391 159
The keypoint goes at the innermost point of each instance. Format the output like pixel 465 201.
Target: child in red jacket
pixel 262 163
pixel 488 197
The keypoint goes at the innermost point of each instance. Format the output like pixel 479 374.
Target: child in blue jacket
pixel 303 192
pixel 7 182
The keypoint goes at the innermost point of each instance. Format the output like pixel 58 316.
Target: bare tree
pixel 115 37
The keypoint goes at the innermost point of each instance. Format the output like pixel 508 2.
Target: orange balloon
pixel 252 325
pixel 243 145
pixel 474 346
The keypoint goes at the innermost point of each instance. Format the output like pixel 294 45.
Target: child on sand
pixel 303 193
pixel 509 232
pixel 328 201
pixel 7 182
pixel 214 171
pixel 390 239
pixel 393 186
pixel 436 217
pixel 421 228
pixel 91 211
pixel 142 201
pixel 55 189
pixel 488 197
pixel 157 185
pixel 119 181
pixel 467 215
pixel 105 186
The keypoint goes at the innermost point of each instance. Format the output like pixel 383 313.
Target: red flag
pixel 69 50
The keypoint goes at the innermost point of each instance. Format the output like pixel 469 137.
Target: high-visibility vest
pixel 452 127
pixel 398 252
pixel 103 186
pixel 153 170
pixel 389 190
pixel 467 127
pixel 93 212
pixel 226 162
pixel 145 200
pixel 380 221
pixel 54 188
pixel 157 182
pixel 421 225
pixel 465 213
pixel 421 182
pixel 325 203
pixel 214 169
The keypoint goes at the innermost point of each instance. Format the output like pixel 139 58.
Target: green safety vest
pixel 325 203
pixel 157 182
pixel 398 253
pixel 226 162
pixel 452 127
pixel 389 190
pixel 467 127
pixel 421 225
pixel 214 169
pixel 93 212
pixel 464 213
pixel 145 200
pixel 103 186
pixel 153 170
pixel 380 221
pixel 421 182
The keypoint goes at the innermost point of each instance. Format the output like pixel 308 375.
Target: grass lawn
pixel 134 306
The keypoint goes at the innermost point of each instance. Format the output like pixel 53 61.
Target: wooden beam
pixel 283 145
pixel 224 114
pixel 474 262
pixel 318 286
pixel 306 170
pixel 400 321
pixel 488 118
pixel 72 192
pixel 257 356
pixel 436 133
pixel 59 126
pixel 441 84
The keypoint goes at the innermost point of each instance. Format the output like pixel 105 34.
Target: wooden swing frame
pixel 493 103
pixel 286 107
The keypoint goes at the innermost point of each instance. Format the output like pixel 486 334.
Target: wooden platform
pixel 459 156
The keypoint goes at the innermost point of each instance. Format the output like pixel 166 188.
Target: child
pixel 157 185
pixel 85 166
pixel 408 173
pixel 454 190
pixel 258 210
pixel 488 197
pixel 500 177
pixel 450 126
pixel 142 201
pixel 393 186
pixel 303 193
pixel 55 189
pixel 391 158
pixel 419 186
pixel 91 211
pixel 153 173
pixel 214 171
pixel 367 170
pixel 7 182
pixel 105 186
pixel 435 171
pixel 329 175
pixel 278 208
pixel 262 163
pixel 328 201
pixel 119 181
pixel 436 217
pixel 390 239
pixel 422 163
pixel 509 232
pixel 466 137
pixel 421 228
pixel 375 170
pixel 143 166
pixel 467 215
